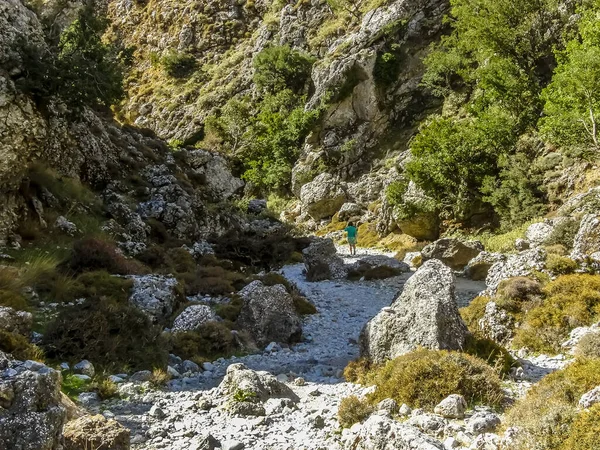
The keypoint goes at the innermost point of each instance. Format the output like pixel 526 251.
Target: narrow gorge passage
pixel 189 409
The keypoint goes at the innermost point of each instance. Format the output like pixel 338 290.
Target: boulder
pixel 423 225
pixel 578 333
pixel 477 269
pixel 587 239
pixel 374 261
pixel 590 398
pixel 522 244
pixel 257 206
pixel 424 315
pixel 453 252
pixel 323 196
pixel 155 295
pixel 268 314
pixel 452 407
pixel 95 432
pixel 31 412
pixel 496 323
pixel 428 423
pixel 518 265
pixel 383 433
pixel 15 321
pixel 350 210
pixel 257 386
pixel 537 234
pixel 322 261
pixel 66 226
pixel 192 318
pixel 84 367
pixel 482 422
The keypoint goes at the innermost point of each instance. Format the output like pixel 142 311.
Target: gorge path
pixel 176 419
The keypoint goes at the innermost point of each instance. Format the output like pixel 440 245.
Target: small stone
pixel 482 422
pixel 88 398
pixel 389 405
pixel 64 366
pixel 173 372
pixel 85 368
pixel 115 379
pixel 157 412
pixel 404 410
pixel 452 407
pixel 232 445
pixel 590 398
pixel 314 393
pixel 141 376
pixel 282 378
pixel 33 365
pixel 451 443
pixel 209 367
pixel 272 347
pixel 299 381
pixel 190 366
pixel 82 377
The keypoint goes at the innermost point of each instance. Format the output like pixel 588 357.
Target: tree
pixel 280 67
pixel 572 100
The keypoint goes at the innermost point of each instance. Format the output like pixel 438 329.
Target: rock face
pixel 425 315
pixel 31 414
pixel 15 321
pixel 384 433
pixel 478 268
pixel 268 314
pixel 323 196
pixel 538 233
pixel 193 317
pixel 95 432
pixel 587 240
pixel 452 252
pixel 496 323
pixel 155 295
pixel 519 265
pixel 322 262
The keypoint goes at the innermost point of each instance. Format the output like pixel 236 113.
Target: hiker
pixel 352 235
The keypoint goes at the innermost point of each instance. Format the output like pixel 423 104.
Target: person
pixel 352 233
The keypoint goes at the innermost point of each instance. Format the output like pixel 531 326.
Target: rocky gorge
pixel 176 181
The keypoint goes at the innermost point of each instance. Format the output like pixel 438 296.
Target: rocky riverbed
pixel 191 408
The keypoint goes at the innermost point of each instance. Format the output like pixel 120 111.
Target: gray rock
pixel 15 321
pixel 141 376
pixel 190 366
pixel 374 261
pixel 173 373
pixel 537 234
pixel 590 398
pixel 155 295
pixel 322 261
pixel 88 399
pixel 257 206
pixel 268 314
pixel 85 368
pixel 522 244
pixel 482 422
pixel 428 423
pixel 350 210
pixel 587 239
pixel 220 182
pixel 518 265
pixel 200 248
pixel 452 407
pixel 404 410
pixel 455 253
pixel 31 413
pixel 478 267
pixel 65 226
pixel 389 405
pixel 323 196
pixel 206 442
pixel 496 323
pixel 383 433
pixel 192 318
pixel 157 412
pixel 424 315
pixel 232 445
pixel 260 385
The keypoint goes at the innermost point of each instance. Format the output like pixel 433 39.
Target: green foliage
pixel 545 416
pixel 584 431
pixel 406 206
pixel 178 65
pixel 230 311
pixel 106 389
pixel 589 346
pixel 279 68
pixel 91 254
pixel 243 395
pixel 423 378
pixel 303 306
pixel 80 69
pixel 491 352
pixel 571 301
pixel 387 67
pixel 560 265
pixel 564 233
pixel 72 386
pixel 19 346
pixel 212 340
pixel 472 313
pixel 353 410
pixel 572 99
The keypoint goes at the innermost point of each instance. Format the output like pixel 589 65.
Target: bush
pixel 491 352
pixel 230 311
pixel 14 300
pixel 55 287
pixel 353 410
pixel 112 334
pixel 357 371
pixel 178 65
pixel 72 386
pixel 303 306
pixel 423 378
pixel 91 254
pixel 474 312
pixel 159 377
pixel 212 340
pixel 545 415
pixel 519 288
pixel 106 389
pixel 212 281
pixel 584 432
pixel 18 346
pixel 280 67
pixel 571 301
pixel 560 265
pixel 564 233
pixel 589 346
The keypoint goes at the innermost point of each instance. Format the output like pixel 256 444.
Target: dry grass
pixel 353 410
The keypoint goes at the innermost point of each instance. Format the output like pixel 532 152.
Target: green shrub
pixel 589 346
pixel 112 334
pixel 584 432
pixel 571 301
pixel 159 377
pixel 242 395
pixel 230 311
pixel 423 378
pixel 546 414
pixel 280 67
pixel 512 293
pixel 387 67
pixel 19 346
pixel 101 284
pixel 55 287
pixel 14 300
pixel 564 233
pixel 92 254
pixel 472 313
pixel 106 389
pixel 212 340
pixel 72 386
pixel 178 65
pixel 214 280
pixel 353 410
pixel 302 306
pixel 273 278
pixel 356 371
pixel 494 354
pixel 560 265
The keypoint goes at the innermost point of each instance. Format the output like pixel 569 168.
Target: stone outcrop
pixel 478 268
pixel 452 407
pixel 155 295
pixel 537 234
pixel 322 262
pixel 384 433
pixel 15 321
pixel 518 265
pixel 455 253
pixel 424 315
pixel 587 239
pixel 192 318
pixel 268 314
pixel 323 196
pixel 31 413
pixel 95 432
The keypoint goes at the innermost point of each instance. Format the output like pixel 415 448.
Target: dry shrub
pixel 519 288
pixel 585 431
pixel 356 371
pixel 159 377
pixel 110 333
pixel 353 410
pixel 274 278
pixel 106 389
pixel 211 340
pixel 589 346
pixel 303 306
pixel 14 300
pixel 18 346
pixel 473 313
pixel 91 254
pixel 490 351
pixel 560 265
pixel 55 287
pixel 212 281
pixel 556 249
pixel 230 311
pixel 545 415
pixel 424 377
pixel 174 260
pixel 571 301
